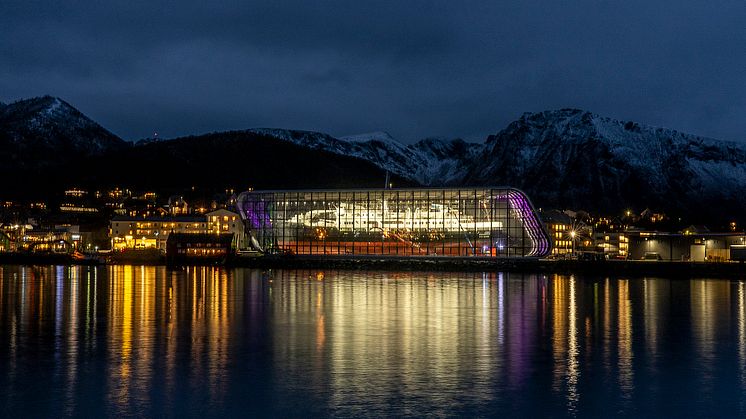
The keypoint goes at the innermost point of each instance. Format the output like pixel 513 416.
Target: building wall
pixel 613 244
pixel 396 222
pixel 144 233
pixel 223 221
pixel 561 242
pixel 678 247
pixel 153 232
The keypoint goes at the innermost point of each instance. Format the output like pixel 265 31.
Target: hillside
pixel 572 158
pixel 47 131
pixel 565 158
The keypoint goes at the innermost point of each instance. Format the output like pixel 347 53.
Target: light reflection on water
pixel 132 341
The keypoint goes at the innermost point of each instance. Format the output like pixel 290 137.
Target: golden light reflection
pixel 320 327
pixel 573 369
pixel 171 307
pixel 710 301
pixel 560 300
pixel 607 325
pixel 120 330
pixel 741 322
pixel 204 332
pixel 651 306
pixel 71 330
pixel 371 328
pixel 625 353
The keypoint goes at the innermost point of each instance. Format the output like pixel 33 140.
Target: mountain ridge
pixel 565 158
pixel 49 130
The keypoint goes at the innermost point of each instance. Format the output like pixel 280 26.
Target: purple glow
pixel 539 240
pixel 255 213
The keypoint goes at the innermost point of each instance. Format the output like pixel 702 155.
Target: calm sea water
pixel 211 342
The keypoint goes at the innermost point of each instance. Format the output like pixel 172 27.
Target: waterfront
pixel 132 341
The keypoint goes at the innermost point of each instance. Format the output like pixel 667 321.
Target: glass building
pixel 497 222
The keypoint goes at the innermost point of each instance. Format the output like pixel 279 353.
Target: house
pixel 204 246
pixel 128 232
pixel 223 221
pixel 559 225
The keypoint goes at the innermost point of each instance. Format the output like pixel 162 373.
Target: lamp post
pixel 572 236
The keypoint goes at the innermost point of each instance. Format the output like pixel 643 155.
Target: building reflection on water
pixel 134 340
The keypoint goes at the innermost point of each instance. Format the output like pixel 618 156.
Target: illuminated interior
pixel 497 222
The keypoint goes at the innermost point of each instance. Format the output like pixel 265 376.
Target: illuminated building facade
pixel 153 232
pixel 496 222
pixel 560 227
pixel 210 246
pixel 613 244
pixel 77 201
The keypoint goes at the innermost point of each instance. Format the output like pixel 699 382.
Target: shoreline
pixel 612 268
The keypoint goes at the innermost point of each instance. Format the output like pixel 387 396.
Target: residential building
pixel 202 246
pixel 559 226
pixel 223 221
pixel 152 232
pixel 128 232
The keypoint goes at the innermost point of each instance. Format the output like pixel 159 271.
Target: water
pixel 211 342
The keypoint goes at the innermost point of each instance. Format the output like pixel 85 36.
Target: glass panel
pixel 399 222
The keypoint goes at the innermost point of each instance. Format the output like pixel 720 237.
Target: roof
pixel 555 217
pixel 226 239
pixel 696 229
pixel 221 211
pixel 406 189
pixel 177 219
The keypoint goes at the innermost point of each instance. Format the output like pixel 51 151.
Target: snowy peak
pixel 43 109
pixel 432 161
pixel 386 151
pixel 442 148
pixel 381 136
pixel 574 158
pixel 389 155
pixel 566 158
pixel 47 128
pixel 310 139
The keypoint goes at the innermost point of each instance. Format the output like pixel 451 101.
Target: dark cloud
pixel 414 68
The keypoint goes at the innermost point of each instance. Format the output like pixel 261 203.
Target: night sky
pixel 412 68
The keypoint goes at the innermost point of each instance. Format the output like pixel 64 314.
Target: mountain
pixel 569 158
pixel 565 158
pixel 46 130
pixel 432 161
pixel 447 161
pixel 213 162
pixel 577 159
pixel 378 148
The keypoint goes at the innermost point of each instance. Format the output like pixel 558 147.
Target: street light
pixel 572 235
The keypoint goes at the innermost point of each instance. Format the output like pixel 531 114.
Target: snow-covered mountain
pixel 42 130
pixel 565 158
pixel 379 148
pixel 573 158
pixel 445 161
pixel 432 161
